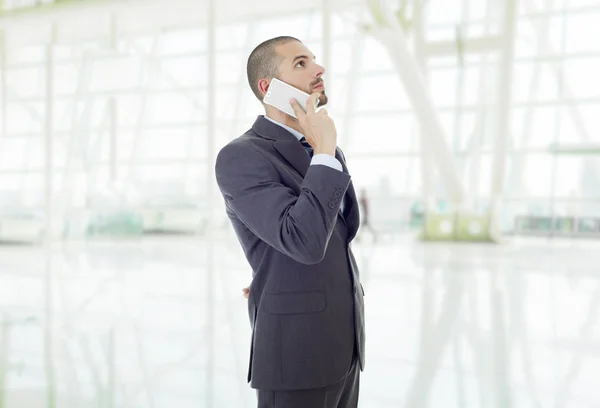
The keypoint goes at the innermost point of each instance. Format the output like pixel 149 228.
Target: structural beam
pixel 3 82
pixel 391 35
pixel 48 128
pixel 326 40
pixel 210 198
pixel 505 81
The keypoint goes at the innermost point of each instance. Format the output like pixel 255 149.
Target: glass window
pixel 537 177
pixel 583 31
pixel 24 117
pixel 12 152
pixel 24 54
pixel 570 176
pixel 468 136
pixel 578 4
pixel 172 143
pixel 174 108
pixel 118 73
pixel 535 81
pixel 589 114
pixel 539 36
pixel 296 26
pixel 26 82
pixel 444 11
pixel 442 86
pixel 580 77
pixel 232 36
pixel 342 57
pixel 380 93
pixel 391 176
pixel 231 68
pixel 534 127
pixel 373 134
pixel 375 56
pixel 189 71
pixel 183 41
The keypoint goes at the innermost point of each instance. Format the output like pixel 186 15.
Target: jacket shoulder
pixel 247 140
pixel 244 150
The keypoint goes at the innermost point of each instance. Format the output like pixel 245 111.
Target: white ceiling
pixel 77 21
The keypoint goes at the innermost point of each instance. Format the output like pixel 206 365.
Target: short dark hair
pixel 263 62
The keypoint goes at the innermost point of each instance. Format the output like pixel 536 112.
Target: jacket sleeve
pixel 298 226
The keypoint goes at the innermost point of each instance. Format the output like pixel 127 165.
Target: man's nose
pixel 320 71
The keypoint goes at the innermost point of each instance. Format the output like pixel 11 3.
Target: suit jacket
pixel 306 304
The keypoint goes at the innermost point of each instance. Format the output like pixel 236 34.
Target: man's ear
pixel 263 86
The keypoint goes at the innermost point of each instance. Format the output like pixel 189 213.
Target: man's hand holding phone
pixel 317 127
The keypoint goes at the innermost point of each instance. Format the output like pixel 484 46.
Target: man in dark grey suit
pixel 291 201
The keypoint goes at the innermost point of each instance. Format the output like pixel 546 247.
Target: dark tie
pixel 307 146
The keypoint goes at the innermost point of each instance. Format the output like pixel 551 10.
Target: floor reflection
pixel 161 322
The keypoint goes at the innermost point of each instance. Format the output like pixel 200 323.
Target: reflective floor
pixel 161 322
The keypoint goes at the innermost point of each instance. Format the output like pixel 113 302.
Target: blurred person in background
pixel 366 225
pixel 290 199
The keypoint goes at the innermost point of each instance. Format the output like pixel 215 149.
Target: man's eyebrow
pixel 302 56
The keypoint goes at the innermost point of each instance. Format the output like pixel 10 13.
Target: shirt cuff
pixel 326 160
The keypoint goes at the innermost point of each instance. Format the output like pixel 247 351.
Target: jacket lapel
pixel 293 152
pixel 285 143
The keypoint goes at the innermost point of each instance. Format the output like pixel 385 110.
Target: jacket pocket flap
pixel 295 303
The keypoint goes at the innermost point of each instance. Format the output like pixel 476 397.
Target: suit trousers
pixel 343 394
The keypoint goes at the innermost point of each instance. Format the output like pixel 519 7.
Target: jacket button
pixel 355 288
pixel 338 194
pixel 331 205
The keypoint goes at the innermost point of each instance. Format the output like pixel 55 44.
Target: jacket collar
pixel 272 131
pixel 293 131
pixel 285 143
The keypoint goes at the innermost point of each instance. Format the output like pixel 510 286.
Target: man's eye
pixel 301 63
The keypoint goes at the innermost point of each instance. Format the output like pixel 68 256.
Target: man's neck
pixel 283 118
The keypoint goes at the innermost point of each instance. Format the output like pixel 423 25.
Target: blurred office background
pixel 472 125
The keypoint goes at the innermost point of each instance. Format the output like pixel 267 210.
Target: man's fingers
pixel 297 109
pixel 311 103
pixel 246 292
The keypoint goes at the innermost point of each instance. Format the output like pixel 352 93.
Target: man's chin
pixel 323 99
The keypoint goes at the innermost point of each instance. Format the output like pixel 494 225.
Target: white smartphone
pixel 280 93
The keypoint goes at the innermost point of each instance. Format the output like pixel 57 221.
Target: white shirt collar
pixel 289 129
